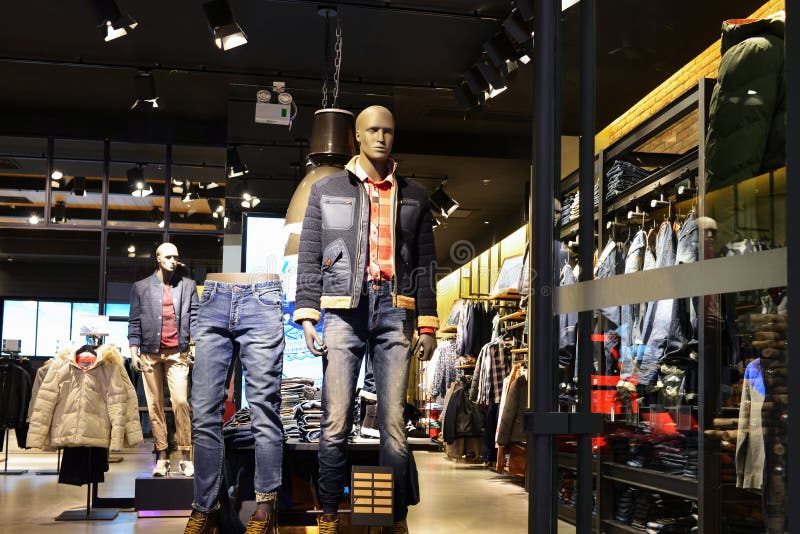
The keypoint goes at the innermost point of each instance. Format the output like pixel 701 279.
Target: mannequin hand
pixel 426 344
pixel 313 341
pixel 136 362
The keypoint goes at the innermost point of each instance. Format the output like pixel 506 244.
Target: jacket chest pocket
pixel 409 212
pixel 336 275
pixel 337 212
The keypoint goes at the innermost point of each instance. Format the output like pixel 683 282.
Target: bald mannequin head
pixel 375 134
pixel 167 257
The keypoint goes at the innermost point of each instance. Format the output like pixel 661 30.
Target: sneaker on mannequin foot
pixel 328 524
pixel 200 523
pixel 161 468
pixel 187 468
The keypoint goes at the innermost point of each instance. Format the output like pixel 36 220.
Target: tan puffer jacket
pixel 95 407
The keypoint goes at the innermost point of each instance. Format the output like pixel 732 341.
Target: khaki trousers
pixel 175 365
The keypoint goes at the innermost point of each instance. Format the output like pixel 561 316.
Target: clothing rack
pixel 55 471
pixel 90 514
pixel 13 356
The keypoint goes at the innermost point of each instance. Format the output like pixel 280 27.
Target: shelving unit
pixel 516 316
pixel 669 171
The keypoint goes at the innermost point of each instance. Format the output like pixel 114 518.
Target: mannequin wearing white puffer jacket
pixel 86 407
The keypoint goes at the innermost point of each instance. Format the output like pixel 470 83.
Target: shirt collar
pixel 354 167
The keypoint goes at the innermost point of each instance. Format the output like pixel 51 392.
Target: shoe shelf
pixel 612 526
pixel 651 479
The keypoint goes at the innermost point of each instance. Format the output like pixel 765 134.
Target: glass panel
pixel 19 322
pixel 23 169
pixel 136 186
pixel 77 183
pixel 197 200
pixel 53 330
pixel 202 254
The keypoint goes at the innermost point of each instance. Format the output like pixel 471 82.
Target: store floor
pixel 456 498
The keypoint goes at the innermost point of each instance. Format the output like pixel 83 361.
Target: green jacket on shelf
pixel 747 121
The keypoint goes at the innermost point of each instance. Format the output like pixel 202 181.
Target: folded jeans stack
pixel 625 503
pixel 308 416
pixel 293 392
pixel 566 209
pixel 238 431
pixel 621 176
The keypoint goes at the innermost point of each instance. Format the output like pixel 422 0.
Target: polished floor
pixel 457 498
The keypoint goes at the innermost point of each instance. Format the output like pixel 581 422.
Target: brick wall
pixel 704 65
pixel 677 139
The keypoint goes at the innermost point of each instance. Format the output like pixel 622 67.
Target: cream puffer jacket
pixel 94 407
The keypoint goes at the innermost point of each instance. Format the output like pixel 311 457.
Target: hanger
pixel 87 348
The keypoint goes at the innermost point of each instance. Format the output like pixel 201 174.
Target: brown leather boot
pixel 200 523
pixel 262 523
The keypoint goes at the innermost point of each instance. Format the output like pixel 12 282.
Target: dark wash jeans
pixel 252 317
pixel 385 331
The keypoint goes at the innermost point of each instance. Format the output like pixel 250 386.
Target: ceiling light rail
pixel 411 9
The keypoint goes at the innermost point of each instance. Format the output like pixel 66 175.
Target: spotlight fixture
pixel 33 219
pixel 192 192
pixel 112 22
pixel 157 216
pixel 146 97
pixel 464 96
pixel 131 249
pixel 56 179
pixel 216 207
pixel 59 212
pixel 209 185
pixel 249 201
pixel 491 75
pixel 235 166
pixel 225 31
pixel 475 80
pixel 435 223
pixel 137 185
pixel 222 222
pixel 79 186
pixel 499 49
pixel 525 8
pixel 516 27
pixel 443 203
pixel 179 185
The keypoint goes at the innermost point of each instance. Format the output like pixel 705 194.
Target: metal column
pixel 542 517
pixel 585 352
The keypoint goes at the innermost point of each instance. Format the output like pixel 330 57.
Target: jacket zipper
pixel 358 245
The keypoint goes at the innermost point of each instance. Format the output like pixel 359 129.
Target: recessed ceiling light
pixel 486 222
pixel 486 181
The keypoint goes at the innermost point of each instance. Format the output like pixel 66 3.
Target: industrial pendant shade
pixel 332 136
pixel 111 21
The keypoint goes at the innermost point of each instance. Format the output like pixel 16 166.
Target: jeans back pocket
pixel 337 212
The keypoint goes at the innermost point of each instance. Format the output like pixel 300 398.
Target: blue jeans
pixel 385 331
pixel 252 317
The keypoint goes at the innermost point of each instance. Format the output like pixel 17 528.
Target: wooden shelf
pixel 451 329
pixel 507 294
pixel 516 316
pixel 519 351
pixel 468 366
pixel 514 326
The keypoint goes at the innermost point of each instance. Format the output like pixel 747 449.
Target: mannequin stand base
pixel 47 472
pixel 103 514
pixel 13 472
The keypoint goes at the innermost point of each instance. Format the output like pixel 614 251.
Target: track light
pixel 192 192
pixel 79 186
pixel 475 80
pixel 443 203
pixel 33 219
pixel 222 221
pixel 137 185
pixel 464 96
pixel 112 22
pixel 56 179
pixel 146 97
pixel 225 31
pixel 179 185
pixel 209 185
pixel 249 201
pixel 131 251
pixel 59 212
pixel 517 28
pixel 235 166
pixel 216 207
pixel 499 49
pixel 491 75
pixel 157 216
pixel 525 8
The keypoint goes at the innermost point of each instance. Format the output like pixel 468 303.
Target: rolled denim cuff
pixel 266 497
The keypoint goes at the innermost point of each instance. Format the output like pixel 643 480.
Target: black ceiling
pixel 60 78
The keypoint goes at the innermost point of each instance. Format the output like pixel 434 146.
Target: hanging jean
pixel 608 265
pixel 630 335
pixel 252 317
pixel 567 327
pixel 658 320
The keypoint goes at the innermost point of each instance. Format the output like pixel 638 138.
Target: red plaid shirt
pixel 381 219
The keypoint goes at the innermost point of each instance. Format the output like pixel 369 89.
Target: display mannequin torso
pixel 242 278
